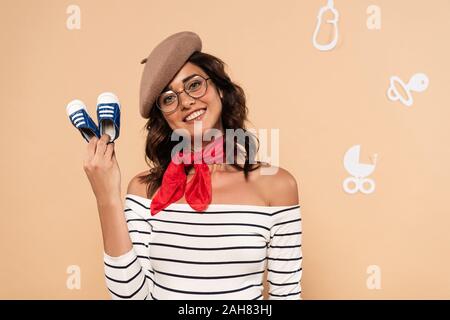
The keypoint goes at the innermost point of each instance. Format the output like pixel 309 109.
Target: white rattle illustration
pixel 358 171
pixel 334 21
pixel 418 82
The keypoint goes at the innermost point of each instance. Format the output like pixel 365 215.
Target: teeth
pixel 195 115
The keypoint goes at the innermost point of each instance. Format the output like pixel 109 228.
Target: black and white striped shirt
pixel 221 254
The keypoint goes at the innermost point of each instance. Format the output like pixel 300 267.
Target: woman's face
pixel 210 103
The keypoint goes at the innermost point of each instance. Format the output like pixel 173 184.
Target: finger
pixel 109 150
pixel 101 146
pixel 92 146
pixel 113 157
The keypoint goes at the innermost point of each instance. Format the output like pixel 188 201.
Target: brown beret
pixel 163 63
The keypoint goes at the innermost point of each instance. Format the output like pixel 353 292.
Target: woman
pixel 173 250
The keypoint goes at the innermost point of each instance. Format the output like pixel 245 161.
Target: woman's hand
pixel 102 170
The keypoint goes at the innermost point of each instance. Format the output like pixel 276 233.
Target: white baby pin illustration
pixel 334 22
pixel 358 171
pixel 418 82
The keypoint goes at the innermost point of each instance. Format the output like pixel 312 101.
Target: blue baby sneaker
pixel 78 116
pixel 108 115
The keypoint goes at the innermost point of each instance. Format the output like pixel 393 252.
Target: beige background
pixel 322 102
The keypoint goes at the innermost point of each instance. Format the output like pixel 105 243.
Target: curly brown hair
pixel 234 114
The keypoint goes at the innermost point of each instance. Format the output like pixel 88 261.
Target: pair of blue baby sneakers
pixel 108 116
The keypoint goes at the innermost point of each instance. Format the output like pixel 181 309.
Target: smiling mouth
pixel 195 115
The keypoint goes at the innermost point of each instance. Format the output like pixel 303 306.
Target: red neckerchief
pixel 197 191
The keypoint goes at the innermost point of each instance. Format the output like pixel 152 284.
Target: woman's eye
pixel 194 85
pixel 168 100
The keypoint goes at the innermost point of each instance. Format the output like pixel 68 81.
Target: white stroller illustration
pixel 358 171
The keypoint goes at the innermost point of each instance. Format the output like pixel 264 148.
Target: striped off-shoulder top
pixel 221 253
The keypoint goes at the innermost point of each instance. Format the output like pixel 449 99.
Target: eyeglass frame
pixel 180 92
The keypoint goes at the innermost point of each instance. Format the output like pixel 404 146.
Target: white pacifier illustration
pixel 418 82
pixel 359 171
pixel 322 11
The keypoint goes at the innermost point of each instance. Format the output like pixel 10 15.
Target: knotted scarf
pixel 197 191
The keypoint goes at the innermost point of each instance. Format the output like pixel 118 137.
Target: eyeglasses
pixel 195 87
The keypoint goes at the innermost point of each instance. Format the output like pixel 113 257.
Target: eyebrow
pixel 184 80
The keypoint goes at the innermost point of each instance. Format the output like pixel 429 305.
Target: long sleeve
pixel 285 255
pixel 125 275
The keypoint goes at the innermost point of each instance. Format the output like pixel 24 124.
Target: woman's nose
pixel 186 101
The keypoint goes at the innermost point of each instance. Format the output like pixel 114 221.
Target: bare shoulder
pixel 279 185
pixel 136 186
